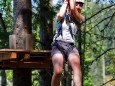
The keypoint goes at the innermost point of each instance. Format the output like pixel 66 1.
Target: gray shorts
pixel 64 48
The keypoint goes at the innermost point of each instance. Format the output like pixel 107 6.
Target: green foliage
pixel 99 37
pixel 6 11
pixel 4 40
pixel 88 80
pixel 36 24
pixel 9 74
pixel 110 63
pixel 35 78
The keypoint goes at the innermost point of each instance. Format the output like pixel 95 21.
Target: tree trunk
pixel 21 29
pixel 46 24
pixel 3 27
pixel 80 49
pixel 103 68
pixel 3 80
pixel 46 34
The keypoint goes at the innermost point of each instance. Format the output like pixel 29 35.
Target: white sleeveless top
pixel 66 35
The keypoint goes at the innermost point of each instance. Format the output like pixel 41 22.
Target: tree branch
pixel 108 81
pixel 108 22
pixel 102 54
pixel 2 23
pixel 104 19
pixel 105 37
pixel 99 12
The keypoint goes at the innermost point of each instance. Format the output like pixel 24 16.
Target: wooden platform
pixel 18 58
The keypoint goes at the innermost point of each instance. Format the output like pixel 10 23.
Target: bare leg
pixel 74 61
pixel 57 60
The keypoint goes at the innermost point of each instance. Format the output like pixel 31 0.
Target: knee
pixel 58 72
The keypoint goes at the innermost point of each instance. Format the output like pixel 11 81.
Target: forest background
pixel 97 42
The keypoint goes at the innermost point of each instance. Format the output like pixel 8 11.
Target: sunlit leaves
pixel 100 35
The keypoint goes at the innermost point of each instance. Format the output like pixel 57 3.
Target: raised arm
pixel 62 11
pixel 75 11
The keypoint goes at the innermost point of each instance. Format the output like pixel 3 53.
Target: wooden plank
pixel 33 65
pixel 40 51
pixel 8 56
pixel 20 58
pixel 26 56
pixel 22 50
pixel 14 55
pixel 13 50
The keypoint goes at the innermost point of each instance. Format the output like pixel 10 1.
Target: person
pixel 69 20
